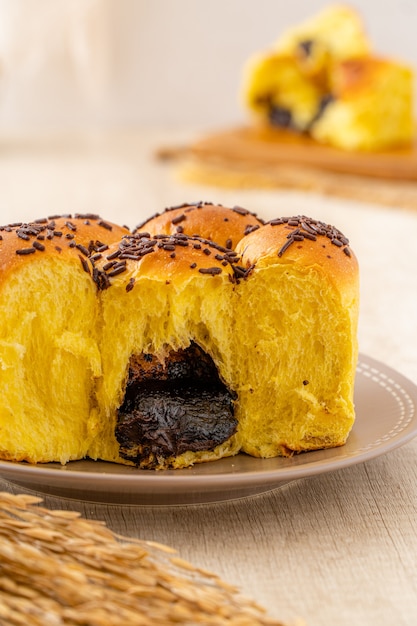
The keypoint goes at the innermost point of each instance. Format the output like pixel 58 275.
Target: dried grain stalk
pixel 57 568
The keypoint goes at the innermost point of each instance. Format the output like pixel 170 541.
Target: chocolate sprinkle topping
pixel 134 247
pixel 308 228
pixel 22 235
pixel 191 206
pixel 45 229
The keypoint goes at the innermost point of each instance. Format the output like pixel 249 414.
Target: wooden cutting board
pixel 257 157
pixel 267 146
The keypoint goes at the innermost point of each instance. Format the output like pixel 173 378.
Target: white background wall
pixel 89 63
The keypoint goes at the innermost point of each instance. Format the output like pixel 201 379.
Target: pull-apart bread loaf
pixel 321 79
pixel 49 357
pixel 165 349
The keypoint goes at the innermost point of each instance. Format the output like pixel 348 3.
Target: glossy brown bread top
pixel 224 225
pixel 166 258
pixel 304 242
pixel 76 237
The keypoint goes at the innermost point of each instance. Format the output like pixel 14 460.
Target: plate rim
pixel 174 479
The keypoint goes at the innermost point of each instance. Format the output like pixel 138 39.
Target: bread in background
pixel 322 79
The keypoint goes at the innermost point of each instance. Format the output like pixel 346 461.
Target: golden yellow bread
pixel 278 93
pixel 162 351
pixel 290 85
pixel 166 397
pixel 337 31
pixel 371 107
pixel 49 357
pixel 296 351
pixel 226 226
pixel 321 79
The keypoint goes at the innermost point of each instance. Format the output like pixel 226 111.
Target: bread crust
pixel 167 258
pixel 74 237
pixel 303 241
pixel 226 226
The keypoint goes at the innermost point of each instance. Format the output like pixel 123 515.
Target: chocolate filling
pixel 280 116
pixel 306 46
pixel 173 407
pixel 323 104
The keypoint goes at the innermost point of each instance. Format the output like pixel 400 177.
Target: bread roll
pixel 371 106
pixel 296 331
pixel 225 226
pixel 166 398
pixel 321 79
pixel 337 31
pixel 49 356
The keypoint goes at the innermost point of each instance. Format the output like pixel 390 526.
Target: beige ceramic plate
pixel 386 407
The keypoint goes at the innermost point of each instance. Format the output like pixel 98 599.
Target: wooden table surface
pixel 336 548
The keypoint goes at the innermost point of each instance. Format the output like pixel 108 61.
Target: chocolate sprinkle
pixel 24 251
pixel 101 279
pixel 178 219
pixel 84 263
pixel 117 270
pixel 240 210
pixel 213 271
pixel 250 228
pixel 82 249
pixel 130 285
pixel 105 225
